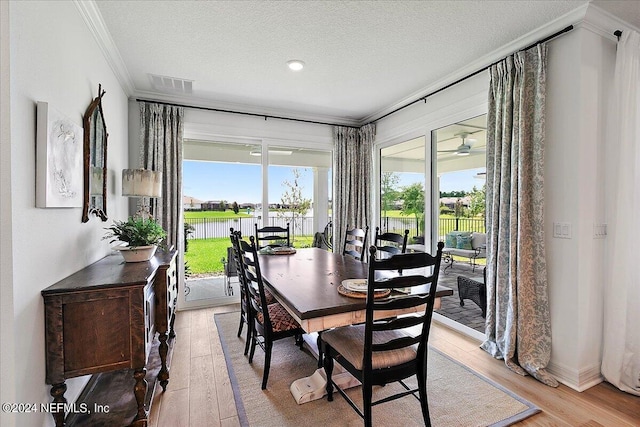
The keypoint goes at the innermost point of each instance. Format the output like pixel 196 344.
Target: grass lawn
pixel 216 214
pixel 204 256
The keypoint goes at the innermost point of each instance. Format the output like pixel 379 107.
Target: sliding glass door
pixel 460 170
pixel 402 190
pixel 238 185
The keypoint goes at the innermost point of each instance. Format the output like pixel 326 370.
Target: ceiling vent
pixel 171 84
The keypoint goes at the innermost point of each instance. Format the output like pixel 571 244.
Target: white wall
pixel 53 58
pixel 579 82
pixel 7 355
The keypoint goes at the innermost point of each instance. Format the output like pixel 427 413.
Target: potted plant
pixel 140 237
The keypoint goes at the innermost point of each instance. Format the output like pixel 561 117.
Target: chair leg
pixel 328 369
pixel 249 335
pixel 267 364
pixel 254 339
pixel 242 317
pixel 366 403
pixel 422 391
pixel 319 344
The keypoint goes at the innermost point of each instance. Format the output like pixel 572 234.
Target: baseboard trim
pixel 579 380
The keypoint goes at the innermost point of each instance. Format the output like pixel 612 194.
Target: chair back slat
pixel 401 302
pixel 272 236
pixel 396 344
pixel 403 282
pixel 354 242
pixel 388 244
pixel 398 323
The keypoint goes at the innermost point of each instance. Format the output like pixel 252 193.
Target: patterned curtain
pixel 518 323
pixel 161 128
pixel 621 339
pixel 352 183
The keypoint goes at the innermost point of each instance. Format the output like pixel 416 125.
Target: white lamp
pixel 141 183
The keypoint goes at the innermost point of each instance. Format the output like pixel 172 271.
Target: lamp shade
pixel 141 183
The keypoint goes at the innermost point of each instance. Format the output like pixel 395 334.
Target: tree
pixel 413 197
pixel 292 197
pixel 235 208
pixel 388 183
pixel 477 202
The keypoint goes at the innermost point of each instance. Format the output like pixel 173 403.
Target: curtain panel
pixel 518 322
pixel 621 339
pixel 161 129
pixel 352 157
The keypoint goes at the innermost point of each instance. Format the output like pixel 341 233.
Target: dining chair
pixel 393 349
pixel 272 236
pixel 354 243
pixel 271 322
pixel 388 244
pixel 245 305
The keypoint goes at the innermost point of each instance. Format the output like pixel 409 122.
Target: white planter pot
pixel 137 253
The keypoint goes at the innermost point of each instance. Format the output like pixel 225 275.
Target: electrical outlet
pixel 562 230
pixel 599 231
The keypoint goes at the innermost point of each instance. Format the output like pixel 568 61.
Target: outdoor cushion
pixel 463 242
pixel 451 239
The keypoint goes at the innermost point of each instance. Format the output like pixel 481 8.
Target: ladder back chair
pixel 272 236
pixel 354 243
pixel 271 322
pixel 245 304
pixel 388 244
pixel 392 349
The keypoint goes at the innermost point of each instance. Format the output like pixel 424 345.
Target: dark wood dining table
pixel 306 284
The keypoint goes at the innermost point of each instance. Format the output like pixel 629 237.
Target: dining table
pixel 306 283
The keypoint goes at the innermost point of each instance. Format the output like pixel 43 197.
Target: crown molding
pixel 92 17
pixel 603 23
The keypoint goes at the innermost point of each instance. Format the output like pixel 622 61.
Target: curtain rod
pixel 424 98
pixel 618 34
pixel 244 113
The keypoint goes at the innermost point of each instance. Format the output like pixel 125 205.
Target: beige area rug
pixel 457 395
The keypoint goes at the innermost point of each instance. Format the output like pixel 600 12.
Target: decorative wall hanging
pixel 59 146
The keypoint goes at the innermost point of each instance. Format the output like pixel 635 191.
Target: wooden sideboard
pixel 105 318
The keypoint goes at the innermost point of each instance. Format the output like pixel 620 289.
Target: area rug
pixel 457 396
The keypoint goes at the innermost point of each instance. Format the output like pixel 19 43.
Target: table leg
pixel 140 390
pixel 163 349
pixel 57 392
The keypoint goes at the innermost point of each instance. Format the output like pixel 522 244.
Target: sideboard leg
pixel 163 375
pixel 140 390
pixel 57 392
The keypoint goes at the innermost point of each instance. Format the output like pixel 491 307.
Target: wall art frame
pixel 59 148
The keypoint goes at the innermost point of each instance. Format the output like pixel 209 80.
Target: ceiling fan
pixel 464 149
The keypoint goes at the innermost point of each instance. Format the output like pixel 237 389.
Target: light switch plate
pixel 562 230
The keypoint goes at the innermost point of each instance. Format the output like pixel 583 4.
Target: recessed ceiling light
pixel 295 65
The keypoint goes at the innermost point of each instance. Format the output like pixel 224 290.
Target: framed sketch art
pixel 59 147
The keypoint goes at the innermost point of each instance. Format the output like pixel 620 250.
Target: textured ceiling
pixel 362 58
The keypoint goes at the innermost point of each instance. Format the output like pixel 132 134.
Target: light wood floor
pixel 199 392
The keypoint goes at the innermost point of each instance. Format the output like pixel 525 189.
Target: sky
pixel 240 183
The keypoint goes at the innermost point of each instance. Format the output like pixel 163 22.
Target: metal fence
pixel 445 225
pixel 206 228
